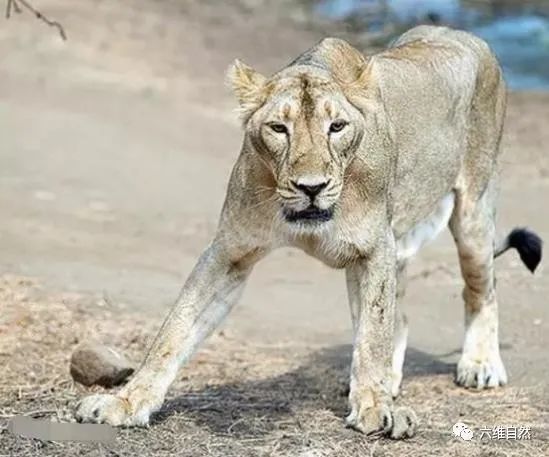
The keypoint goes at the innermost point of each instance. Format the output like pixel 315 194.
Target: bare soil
pixel 115 150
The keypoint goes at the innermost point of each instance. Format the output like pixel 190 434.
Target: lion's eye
pixel 337 126
pixel 278 128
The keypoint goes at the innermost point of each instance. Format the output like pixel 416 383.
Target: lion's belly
pixel 424 183
pixel 410 242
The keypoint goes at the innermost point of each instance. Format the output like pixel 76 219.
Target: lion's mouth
pixel 309 214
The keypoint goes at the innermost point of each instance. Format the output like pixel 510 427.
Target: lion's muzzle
pixel 311 200
pixel 309 214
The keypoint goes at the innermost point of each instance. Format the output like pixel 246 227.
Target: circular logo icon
pixel 460 430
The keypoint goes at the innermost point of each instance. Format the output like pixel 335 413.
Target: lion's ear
pixel 364 82
pixel 365 85
pixel 248 85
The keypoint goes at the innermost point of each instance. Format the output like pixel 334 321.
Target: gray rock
pixel 93 363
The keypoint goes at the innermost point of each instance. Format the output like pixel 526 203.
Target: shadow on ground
pixel 321 383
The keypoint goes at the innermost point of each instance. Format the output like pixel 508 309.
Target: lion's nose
pixel 309 187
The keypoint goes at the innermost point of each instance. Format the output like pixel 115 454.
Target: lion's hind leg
pixel 472 226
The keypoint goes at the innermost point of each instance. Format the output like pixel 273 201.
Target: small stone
pixel 95 364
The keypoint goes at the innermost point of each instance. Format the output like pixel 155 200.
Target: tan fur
pixel 424 120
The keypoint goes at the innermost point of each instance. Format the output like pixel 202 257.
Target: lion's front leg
pixel 370 396
pixel 210 292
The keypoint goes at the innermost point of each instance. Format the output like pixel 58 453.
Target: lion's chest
pixel 330 245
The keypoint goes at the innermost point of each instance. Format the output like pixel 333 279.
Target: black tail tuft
pixel 529 246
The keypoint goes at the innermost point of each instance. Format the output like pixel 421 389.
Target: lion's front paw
pixel 398 423
pixel 405 423
pixel 481 371
pixel 108 409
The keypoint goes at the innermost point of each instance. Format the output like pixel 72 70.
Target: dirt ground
pixel 115 150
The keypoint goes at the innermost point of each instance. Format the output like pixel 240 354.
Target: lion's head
pixel 306 123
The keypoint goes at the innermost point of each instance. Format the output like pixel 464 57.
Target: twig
pixel 15 5
pixel 107 299
pixel 12 4
pixel 38 412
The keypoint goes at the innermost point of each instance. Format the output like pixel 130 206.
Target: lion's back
pixel 438 85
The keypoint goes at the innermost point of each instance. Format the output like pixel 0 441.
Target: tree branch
pixel 16 5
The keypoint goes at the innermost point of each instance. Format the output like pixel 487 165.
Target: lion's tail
pixel 527 243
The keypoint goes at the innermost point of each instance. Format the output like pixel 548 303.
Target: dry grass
pixel 235 399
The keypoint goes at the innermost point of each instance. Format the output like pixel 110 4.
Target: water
pixel 522 45
pixel 519 37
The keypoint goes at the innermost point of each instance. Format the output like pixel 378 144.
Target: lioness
pixel 358 161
